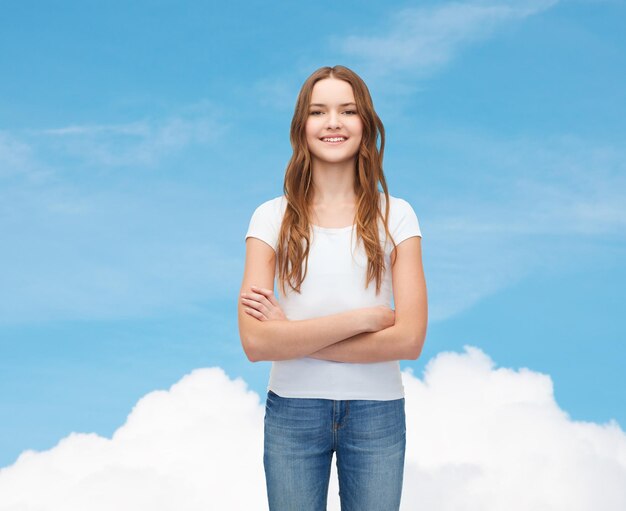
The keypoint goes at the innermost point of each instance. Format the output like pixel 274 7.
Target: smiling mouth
pixel 333 140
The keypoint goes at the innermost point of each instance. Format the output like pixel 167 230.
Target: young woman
pixel 339 248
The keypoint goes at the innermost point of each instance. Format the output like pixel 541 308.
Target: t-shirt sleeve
pixel 406 223
pixel 263 224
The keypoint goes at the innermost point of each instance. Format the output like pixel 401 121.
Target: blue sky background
pixel 137 139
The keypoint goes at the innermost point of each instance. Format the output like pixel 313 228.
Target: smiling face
pixel 333 126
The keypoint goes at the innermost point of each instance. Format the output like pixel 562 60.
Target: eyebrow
pixel 342 104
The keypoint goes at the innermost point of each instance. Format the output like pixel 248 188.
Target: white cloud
pixel 479 438
pixel 422 39
pixel 183 448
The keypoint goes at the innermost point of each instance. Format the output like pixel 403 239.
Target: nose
pixel 333 120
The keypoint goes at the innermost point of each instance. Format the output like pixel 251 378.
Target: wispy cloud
pixel 277 91
pixel 478 438
pixel 423 39
pixel 143 142
pixel 18 161
pixel 38 156
pixel 72 253
pixel 79 242
pixel 530 204
pixel 80 253
pixel 413 42
pixel 78 246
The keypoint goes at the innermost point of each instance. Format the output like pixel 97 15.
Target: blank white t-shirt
pixel 335 282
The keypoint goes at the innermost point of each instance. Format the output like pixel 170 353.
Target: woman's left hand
pixel 261 304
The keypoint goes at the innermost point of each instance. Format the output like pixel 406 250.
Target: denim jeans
pixel 301 435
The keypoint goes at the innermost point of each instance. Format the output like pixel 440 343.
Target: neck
pixel 333 183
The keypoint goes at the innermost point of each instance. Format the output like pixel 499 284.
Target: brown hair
pixel 294 237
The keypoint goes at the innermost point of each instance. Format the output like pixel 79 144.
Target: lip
pixel 345 139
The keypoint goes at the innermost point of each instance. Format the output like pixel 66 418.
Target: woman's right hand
pixel 379 318
pixel 261 304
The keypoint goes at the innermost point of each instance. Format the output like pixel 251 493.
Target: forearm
pixel 393 343
pixel 287 339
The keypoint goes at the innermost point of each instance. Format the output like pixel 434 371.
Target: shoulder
pixel 398 207
pixel 272 207
pixel 398 202
pixel 403 222
pixel 266 220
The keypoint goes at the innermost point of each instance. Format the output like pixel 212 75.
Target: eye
pixel 313 112
pixel 350 112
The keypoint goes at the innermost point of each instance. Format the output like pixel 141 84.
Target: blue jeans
pixel 301 434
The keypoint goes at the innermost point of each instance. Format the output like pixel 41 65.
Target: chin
pixel 336 160
pixel 336 156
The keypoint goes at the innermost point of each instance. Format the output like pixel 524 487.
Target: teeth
pixel 336 139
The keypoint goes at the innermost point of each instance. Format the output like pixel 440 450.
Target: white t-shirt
pixel 335 282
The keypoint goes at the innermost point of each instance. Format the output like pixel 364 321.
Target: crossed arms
pixel 372 334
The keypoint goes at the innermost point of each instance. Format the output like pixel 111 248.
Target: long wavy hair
pixel 294 237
